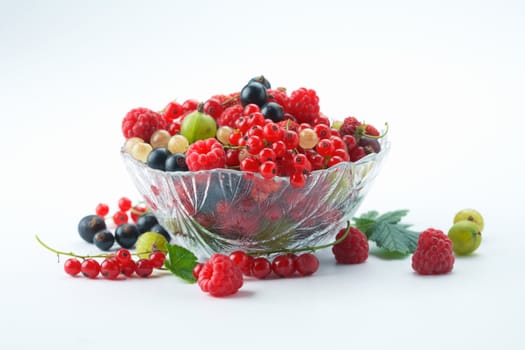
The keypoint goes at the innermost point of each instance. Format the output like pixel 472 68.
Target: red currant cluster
pixel 121 216
pixel 115 265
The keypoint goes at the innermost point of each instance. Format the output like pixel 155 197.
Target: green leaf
pixel 387 231
pixel 181 262
pixel 392 217
pixel 394 237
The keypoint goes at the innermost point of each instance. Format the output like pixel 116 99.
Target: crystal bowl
pixel 223 210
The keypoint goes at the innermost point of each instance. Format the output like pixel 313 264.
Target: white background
pixel 447 76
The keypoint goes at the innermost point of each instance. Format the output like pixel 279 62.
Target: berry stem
pixel 305 249
pixel 58 252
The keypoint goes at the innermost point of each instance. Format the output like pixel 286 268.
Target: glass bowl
pixel 223 210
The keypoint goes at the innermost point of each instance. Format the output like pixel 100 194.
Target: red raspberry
pixel 349 127
pixel 142 122
pixel 230 115
pixel 353 249
pixel 220 276
pixel 433 255
pixel 205 154
pixel 278 96
pixel 303 104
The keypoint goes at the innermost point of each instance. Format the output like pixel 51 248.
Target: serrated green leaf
pixel 372 215
pixel 394 237
pixel 181 262
pixel 392 217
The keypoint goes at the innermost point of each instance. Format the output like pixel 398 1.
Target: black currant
pixel 126 235
pixel 89 226
pixel 157 158
pixel 104 240
pixel 273 111
pixel 159 229
pixel 176 162
pixel 146 222
pixel 261 79
pixel 255 93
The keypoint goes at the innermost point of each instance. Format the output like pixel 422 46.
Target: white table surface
pixel 448 78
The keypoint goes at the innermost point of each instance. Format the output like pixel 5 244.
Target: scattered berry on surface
pixel 353 249
pixel 220 276
pixel 434 254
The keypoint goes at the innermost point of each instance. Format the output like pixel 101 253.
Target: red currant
pixel 172 111
pixel 72 266
pixel 243 261
pixel 338 142
pixel 123 255
pixel 272 132
pixel 301 162
pixel 250 164
pixel 342 153
pixel 261 268
pixel 232 157
pixel 251 108
pixel 256 118
pixel 279 147
pixel 124 204
pixel 322 131
pixel 120 218
pixel 213 107
pixel 297 179
pixel 127 268
pixel 242 124
pixel 306 264
pixel 322 120
pixel 144 268
pixel 254 144
pixel 174 127
pixel 256 130
pixel 267 154
pixel 334 160
pixel 109 269
pixel 157 259
pixel 268 169
pixel 90 268
pixel 102 209
pixel 325 148
pixel 234 138
pixel 283 266
pixel 291 139
pixel 190 105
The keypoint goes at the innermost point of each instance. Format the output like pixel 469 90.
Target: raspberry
pixel 278 96
pixel 303 104
pixel 220 276
pixel 353 249
pixel 433 255
pixel 230 115
pixel 205 154
pixel 142 122
pixel 349 127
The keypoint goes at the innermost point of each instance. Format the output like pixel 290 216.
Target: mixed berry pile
pixel 259 130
